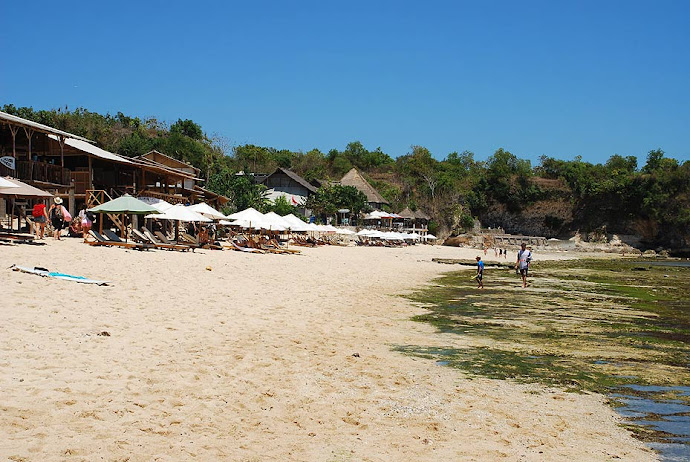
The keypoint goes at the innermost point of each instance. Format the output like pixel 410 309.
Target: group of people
pixel 524 259
pixel 60 218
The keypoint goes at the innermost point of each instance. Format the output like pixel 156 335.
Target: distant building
pixel 284 182
pixel 374 198
pixel 415 221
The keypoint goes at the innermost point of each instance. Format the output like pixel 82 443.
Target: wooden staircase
pixel 96 197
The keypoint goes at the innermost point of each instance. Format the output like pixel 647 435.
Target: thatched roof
pixel 419 215
pixel 416 215
pixel 354 178
pixel 407 213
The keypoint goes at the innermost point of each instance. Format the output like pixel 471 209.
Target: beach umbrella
pixel 179 212
pixel 272 217
pixel 246 214
pixel 123 205
pixel 295 223
pixel 7 184
pixel 430 237
pixel 15 189
pixel 20 189
pixel 208 211
pixel 158 204
pixel 344 231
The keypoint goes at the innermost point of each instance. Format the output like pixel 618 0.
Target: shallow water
pixel 620 328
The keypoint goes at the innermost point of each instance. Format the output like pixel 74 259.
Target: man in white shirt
pixel 524 258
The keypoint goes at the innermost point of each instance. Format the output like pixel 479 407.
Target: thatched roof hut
pixel 354 178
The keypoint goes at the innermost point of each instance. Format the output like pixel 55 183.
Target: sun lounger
pixel 100 240
pixel 144 239
pixel 233 246
pixel 18 238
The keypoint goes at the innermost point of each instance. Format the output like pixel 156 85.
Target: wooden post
pixel 72 203
pixel 29 133
pixel 14 130
pixel 100 224
pixel 61 140
pixel 90 172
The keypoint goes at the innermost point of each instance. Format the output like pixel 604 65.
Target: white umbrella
pixel 295 223
pixel 430 236
pixel 158 204
pixel 206 210
pixel 7 184
pixel 246 214
pixel 273 217
pixel 179 212
pixel 344 231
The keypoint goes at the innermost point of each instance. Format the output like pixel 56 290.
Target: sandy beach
pixel 264 357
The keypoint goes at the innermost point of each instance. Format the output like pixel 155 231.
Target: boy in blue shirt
pixel 480 273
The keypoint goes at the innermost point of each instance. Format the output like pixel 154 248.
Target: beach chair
pixel 100 240
pixel 156 240
pixel 232 245
pixel 144 239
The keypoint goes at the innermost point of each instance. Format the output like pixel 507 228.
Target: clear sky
pixel 556 78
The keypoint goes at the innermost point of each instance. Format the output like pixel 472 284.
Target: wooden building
pixel 80 172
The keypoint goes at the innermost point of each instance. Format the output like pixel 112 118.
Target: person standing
pixel 85 221
pixel 480 273
pixel 524 257
pixel 57 219
pixel 40 219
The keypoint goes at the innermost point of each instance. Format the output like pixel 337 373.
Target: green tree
pixel 240 189
pixel 187 128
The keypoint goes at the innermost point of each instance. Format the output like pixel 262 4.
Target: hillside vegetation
pixel 555 198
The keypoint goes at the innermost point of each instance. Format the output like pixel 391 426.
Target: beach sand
pixel 264 357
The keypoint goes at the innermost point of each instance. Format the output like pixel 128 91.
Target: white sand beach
pixel 264 357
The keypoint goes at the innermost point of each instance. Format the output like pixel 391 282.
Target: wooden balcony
pixel 29 170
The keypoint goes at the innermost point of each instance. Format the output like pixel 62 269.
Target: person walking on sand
pixel 57 219
pixel 85 221
pixel 480 273
pixel 40 219
pixel 524 257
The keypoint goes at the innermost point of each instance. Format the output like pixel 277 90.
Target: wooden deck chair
pixel 232 245
pixel 100 240
pixel 144 239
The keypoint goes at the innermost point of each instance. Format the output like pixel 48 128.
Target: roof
pixel 419 215
pixel 301 181
pixel 407 213
pixel 135 162
pixel 354 178
pixel 177 163
pixel 14 120
pixel 416 215
pixel 94 150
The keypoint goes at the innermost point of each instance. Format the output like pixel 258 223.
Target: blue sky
pixel 589 78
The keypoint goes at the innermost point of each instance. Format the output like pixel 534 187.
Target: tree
pixel 187 128
pixel 240 189
pixel 329 199
pixel 282 207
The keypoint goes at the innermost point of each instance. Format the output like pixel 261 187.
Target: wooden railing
pixel 96 197
pixel 38 171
